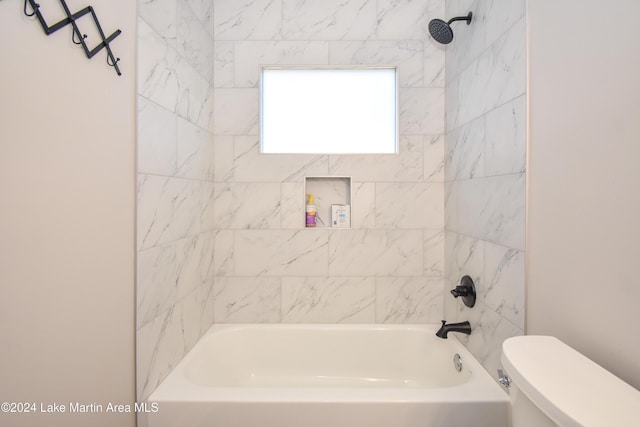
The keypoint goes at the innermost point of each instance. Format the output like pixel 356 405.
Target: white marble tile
pixel 250 56
pixel 452 104
pixel 375 253
pixel 501 16
pixel 496 77
pixel 156 288
pixel 400 19
pixel 328 299
pixel 157 63
pixel 292 209
pixel 363 205
pixel 408 300
pixel 465 155
pixel 247 20
pixel 409 205
pixel 236 111
pixel 200 308
pixel 163 342
pixel 252 166
pixel 451 206
pixel 247 206
pixel 207 300
pixel 406 165
pixel 209 15
pixel 506 145
pixel 168 209
pixel 159 347
pixel 195 263
pixel 469 40
pixel 194 42
pixel 460 7
pixel 434 253
pixel 504 285
pixel 223 65
pixel 207 209
pixel 281 253
pixel 247 300
pixel 470 91
pixel 203 10
pixel 156 139
pixel 161 16
pixel 196 311
pixel 450 311
pixel 494 209
pixel 223 158
pixel 195 97
pixel 195 151
pixel 207 117
pixel 488 332
pixel 464 256
pixel 421 111
pixel 434 165
pixel 328 20
pixel 407 55
pixel 508 64
pixel 434 64
pixel 167 273
pixel 224 253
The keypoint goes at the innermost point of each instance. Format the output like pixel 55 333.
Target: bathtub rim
pixel 479 388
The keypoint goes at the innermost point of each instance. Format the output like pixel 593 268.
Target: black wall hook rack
pixel 77 37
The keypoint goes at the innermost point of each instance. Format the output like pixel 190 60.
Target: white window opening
pixel 329 110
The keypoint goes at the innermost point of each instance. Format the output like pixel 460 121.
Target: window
pixel 328 110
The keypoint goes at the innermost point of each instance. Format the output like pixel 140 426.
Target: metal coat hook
pixel 77 37
pixel 114 64
pixel 35 6
pixel 73 38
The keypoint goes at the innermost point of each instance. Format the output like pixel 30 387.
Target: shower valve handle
pixel 467 290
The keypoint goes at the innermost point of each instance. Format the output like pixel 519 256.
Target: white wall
pixel 67 146
pixel 583 198
pixel 485 171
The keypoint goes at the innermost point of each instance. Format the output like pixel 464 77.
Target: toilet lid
pixel 568 387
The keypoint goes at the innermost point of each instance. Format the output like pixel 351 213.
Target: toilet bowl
pixel 554 385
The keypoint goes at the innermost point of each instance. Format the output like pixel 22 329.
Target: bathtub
pixel 328 376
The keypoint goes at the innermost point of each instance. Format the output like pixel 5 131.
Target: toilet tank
pixel 553 384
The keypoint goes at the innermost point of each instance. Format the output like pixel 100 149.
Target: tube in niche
pixel 311 212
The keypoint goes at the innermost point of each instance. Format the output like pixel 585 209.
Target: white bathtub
pixel 328 376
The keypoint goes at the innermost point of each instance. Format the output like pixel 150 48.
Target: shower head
pixel 441 31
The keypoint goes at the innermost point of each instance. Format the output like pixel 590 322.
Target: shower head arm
pixel 461 18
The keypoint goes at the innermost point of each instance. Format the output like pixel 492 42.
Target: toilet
pixel 551 384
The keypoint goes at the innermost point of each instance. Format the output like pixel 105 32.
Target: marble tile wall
pixel 175 184
pixel 221 232
pixel 485 171
pixel 390 266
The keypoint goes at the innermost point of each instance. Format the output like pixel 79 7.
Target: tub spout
pixel 462 327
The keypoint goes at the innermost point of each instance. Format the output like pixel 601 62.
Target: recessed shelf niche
pixel 327 191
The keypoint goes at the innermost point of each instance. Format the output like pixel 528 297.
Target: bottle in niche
pixel 311 212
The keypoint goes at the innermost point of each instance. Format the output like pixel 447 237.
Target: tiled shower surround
pixel 268 267
pixel 485 170
pixel 221 234
pixel 175 206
